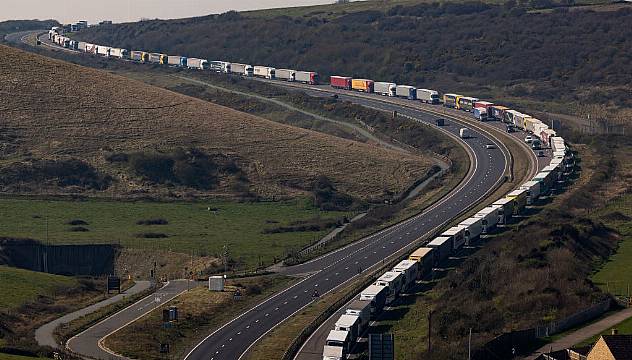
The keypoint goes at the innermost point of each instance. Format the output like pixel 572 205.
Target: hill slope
pixel 79 129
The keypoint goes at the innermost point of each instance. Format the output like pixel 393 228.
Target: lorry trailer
pixel 450 100
pixel 361 309
pixel 466 103
pixel 505 210
pixel 307 77
pixel 157 58
pixel 340 82
pixel 241 69
pixel 442 246
pixel 408 269
pixel 350 323
pixel 177 60
pixel 265 72
pixel 393 281
pixel 533 191
pixel 424 258
pixel 428 96
pixel 406 91
pixel 489 217
pixel 119 53
pixel 286 74
pixel 337 345
pixel 198 64
pixel 473 228
pixel 363 85
pixel 456 234
pixel 385 88
pixel 376 295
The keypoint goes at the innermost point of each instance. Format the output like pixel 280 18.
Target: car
pixel 490 146
pixel 334 96
pixel 540 153
pixel 440 122
pixel 510 129
pixel 528 139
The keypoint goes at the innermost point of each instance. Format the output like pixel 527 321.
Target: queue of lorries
pixel 420 263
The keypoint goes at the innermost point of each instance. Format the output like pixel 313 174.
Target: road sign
pixel 114 283
pixel 381 347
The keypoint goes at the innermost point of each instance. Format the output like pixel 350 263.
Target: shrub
pixel 152 222
pixel 151 235
pixel 79 229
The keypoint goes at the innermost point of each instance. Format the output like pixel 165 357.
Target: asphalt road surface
pixel 44 334
pixel 337 268
pixel 89 342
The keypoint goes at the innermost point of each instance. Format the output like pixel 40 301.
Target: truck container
pixel 558 144
pixel 393 281
pixel 546 135
pixel 157 58
pixel 241 69
pixel 174 60
pixel 385 88
pixel 119 53
pixel 406 91
pixel 489 218
pixel 538 127
pixel 533 191
pixel 82 46
pixel 139 56
pixel 442 246
pixel 520 120
pixel 483 104
pixel 198 64
pixel 450 100
pixel 466 103
pixel 408 269
pixel 505 210
pixel 337 345
pixel 473 228
pixel 509 116
pixel 519 198
pixel 286 74
pixel 464 133
pixel 350 323
pixel 363 85
pixel 480 114
pixel 376 295
pixel 428 96
pixel 530 124
pixel 456 234
pixel 103 51
pixel 545 178
pixel 424 258
pixel 219 66
pixel 90 48
pixel 307 77
pixel 361 309
pixel 265 72
pixel 497 112
pixel 340 82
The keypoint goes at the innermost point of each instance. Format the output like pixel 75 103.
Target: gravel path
pixel 44 334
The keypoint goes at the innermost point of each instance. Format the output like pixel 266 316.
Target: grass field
pixel 190 228
pixel 21 286
pixel 614 275
pixel 16 357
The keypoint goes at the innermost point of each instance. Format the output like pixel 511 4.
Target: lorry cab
pixel 249 70
pixel 337 345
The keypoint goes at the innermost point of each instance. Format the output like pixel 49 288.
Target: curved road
pixel 335 269
pixel 44 334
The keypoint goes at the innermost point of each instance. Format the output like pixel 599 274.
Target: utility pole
pixel 469 346
pixel 225 258
pixel 429 330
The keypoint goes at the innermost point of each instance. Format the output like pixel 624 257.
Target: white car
pixel 528 139
pixel 490 146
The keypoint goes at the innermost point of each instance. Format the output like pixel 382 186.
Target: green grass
pixel 614 275
pixel 624 327
pixel 20 286
pixel 191 227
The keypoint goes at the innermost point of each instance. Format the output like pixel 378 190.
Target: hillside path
pixel 584 333
pixel 44 334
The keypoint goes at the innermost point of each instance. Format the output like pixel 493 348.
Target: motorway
pixel 234 339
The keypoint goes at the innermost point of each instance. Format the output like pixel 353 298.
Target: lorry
pixel 337 345
pixel 450 100
pixel 103 51
pixel 119 53
pixel 138 56
pixel 497 112
pixel 519 198
pixel 442 246
pixel 466 103
pixel 428 96
pixel 307 77
pixel 361 309
pixel 464 133
pixel 81 46
pixel 489 217
pixel 424 258
pixel 533 191
pixel 180 61
pixel 157 58
pixel 376 295
pixel 265 72
pixel 349 323
pixel 363 85
pixel 546 135
pixel 219 66
pixel 456 234
pixel 505 210
pixel 480 114
pixel 286 74
pixel 393 281
pixel 408 269
pixel 198 64
pixel 509 116
pixel 340 82
pixel 406 91
pixel 520 120
pixel 241 69
pixel 385 88
pixel 473 227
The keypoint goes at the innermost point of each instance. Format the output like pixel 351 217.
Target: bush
pixel 76 222
pixel 152 235
pixel 79 229
pixel 61 173
pixel 152 222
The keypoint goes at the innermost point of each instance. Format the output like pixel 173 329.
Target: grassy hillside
pixel 558 58
pixel 22 286
pixel 76 130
